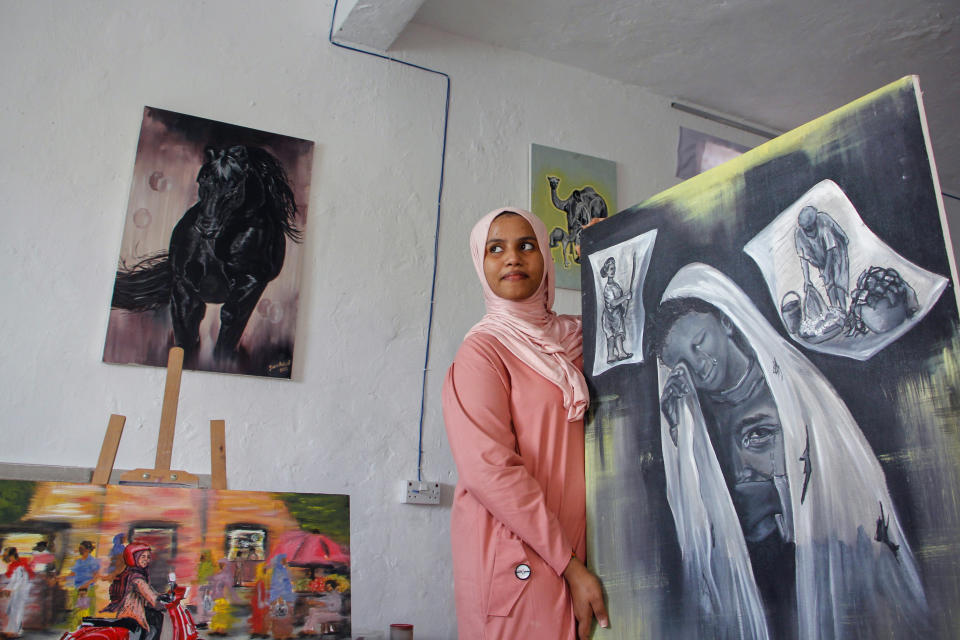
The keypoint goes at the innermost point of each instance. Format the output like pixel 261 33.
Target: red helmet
pixel 131 551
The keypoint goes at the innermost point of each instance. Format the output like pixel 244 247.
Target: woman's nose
pixel 511 256
pixel 744 471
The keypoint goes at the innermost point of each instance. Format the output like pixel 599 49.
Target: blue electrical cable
pixel 436 235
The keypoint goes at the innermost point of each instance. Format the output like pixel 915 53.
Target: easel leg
pixel 218 455
pixel 108 451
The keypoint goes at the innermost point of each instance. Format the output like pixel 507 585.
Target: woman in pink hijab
pixel 513 404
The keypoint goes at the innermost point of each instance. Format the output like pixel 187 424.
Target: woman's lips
pixel 514 275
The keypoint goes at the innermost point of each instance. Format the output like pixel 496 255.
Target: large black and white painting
pixel 784 462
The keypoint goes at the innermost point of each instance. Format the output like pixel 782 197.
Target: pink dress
pixel 519 509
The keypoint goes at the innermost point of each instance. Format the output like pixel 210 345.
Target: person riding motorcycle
pixel 132 598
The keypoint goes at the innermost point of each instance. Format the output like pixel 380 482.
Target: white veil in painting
pixel 847 581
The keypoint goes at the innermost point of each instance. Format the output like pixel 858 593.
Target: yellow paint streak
pixel 706 199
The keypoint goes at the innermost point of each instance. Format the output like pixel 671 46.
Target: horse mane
pixel 279 196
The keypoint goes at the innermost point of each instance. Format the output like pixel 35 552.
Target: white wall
pixel 75 77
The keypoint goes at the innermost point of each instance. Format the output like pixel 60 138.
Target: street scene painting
pixel 212 247
pixel 85 559
pixel 569 191
pixel 784 461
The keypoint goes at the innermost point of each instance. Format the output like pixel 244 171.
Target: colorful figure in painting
pixel 281 619
pixel 84 573
pixel 765 461
pixel 131 595
pixel 259 602
pixel 225 249
pixel 203 601
pixel 222 593
pixel 513 405
pixel 116 556
pixel 581 207
pixel 280 584
pixel 42 558
pixel 17 590
pixel 821 242
pixel 323 613
pixel 615 304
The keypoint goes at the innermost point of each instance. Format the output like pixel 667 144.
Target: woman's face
pixel 512 262
pixel 706 345
pixel 144 558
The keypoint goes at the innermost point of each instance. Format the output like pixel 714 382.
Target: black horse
pixel 225 249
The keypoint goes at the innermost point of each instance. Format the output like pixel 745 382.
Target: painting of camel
pixel 568 191
pixel 211 250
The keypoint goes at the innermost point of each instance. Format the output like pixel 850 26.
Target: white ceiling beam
pixel 373 23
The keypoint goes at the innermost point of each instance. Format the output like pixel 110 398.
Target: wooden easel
pixel 161 474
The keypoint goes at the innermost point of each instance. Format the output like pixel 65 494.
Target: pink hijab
pixel 547 342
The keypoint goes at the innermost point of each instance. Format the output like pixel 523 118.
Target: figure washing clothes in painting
pixel 821 243
pixel 784 519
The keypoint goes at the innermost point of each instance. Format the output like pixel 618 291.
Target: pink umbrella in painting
pixel 305 549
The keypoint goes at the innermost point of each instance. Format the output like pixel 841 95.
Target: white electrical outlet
pixel 416 492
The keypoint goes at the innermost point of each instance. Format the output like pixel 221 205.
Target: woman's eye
pixel 758 437
pixel 528 246
pixel 496 249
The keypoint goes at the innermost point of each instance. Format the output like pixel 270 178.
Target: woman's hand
pixel 587 597
pixel 675 389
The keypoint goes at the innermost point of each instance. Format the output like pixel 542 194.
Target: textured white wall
pixel 75 78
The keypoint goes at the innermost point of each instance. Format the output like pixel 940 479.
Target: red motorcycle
pixel 177 623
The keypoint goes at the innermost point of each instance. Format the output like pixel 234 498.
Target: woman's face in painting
pixel 144 558
pixel 748 441
pixel 705 344
pixel 512 262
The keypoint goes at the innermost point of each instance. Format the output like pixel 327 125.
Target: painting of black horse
pixel 229 243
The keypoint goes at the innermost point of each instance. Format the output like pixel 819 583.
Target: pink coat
pixel 520 499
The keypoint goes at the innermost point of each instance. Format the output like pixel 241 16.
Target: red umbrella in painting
pixel 305 549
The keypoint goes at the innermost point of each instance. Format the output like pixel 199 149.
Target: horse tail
pixel 145 285
pixel 279 194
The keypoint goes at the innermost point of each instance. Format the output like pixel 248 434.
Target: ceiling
pixel 775 63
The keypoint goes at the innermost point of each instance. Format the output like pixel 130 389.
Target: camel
pixel 582 206
pixel 559 237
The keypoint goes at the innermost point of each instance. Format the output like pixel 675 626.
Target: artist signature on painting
pixel 280 368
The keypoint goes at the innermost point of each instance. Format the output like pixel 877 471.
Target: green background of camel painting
pixel 575 171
